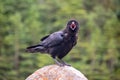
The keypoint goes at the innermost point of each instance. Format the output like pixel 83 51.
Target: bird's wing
pixel 53 39
pixel 44 38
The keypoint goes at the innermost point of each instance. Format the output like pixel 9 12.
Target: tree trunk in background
pixel 16 47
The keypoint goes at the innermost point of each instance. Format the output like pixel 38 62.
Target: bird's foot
pixel 60 64
pixel 65 64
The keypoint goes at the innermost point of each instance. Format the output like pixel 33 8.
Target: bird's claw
pixel 65 64
pixel 62 64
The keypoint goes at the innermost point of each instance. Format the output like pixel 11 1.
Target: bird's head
pixel 73 25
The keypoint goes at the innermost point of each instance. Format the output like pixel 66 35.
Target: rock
pixel 55 72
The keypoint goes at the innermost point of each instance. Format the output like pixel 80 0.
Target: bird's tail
pixel 35 48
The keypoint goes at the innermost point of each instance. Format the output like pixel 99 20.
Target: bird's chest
pixel 68 43
pixel 66 46
pixel 70 40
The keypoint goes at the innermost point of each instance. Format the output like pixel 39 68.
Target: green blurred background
pixel 24 22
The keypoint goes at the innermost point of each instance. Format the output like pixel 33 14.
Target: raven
pixel 58 44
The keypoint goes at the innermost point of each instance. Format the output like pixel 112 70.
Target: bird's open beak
pixel 73 26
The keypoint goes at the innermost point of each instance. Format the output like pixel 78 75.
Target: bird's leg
pixel 57 62
pixel 64 63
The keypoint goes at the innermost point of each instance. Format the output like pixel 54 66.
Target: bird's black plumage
pixel 58 44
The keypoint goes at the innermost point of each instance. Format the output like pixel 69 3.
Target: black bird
pixel 58 44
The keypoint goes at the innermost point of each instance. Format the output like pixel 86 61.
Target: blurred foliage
pixel 24 22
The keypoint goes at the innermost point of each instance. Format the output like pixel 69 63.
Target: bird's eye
pixel 62 35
